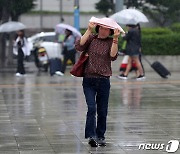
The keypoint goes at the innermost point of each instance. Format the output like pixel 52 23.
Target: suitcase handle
pixel 144 57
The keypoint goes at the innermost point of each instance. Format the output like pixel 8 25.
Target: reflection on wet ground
pixel 43 114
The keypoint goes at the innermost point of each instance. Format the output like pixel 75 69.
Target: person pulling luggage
pixel 133 48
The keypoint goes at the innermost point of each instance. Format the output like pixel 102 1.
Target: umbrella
pixel 129 16
pixel 106 22
pixel 11 26
pixel 60 28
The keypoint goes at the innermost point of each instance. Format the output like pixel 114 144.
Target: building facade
pixel 67 5
pixel 50 20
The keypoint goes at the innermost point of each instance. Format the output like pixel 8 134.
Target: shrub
pixel 156 31
pixel 175 27
pixel 83 31
pixel 161 44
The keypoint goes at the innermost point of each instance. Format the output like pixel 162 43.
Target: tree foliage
pixel 163 12
pixel 105 6
pixel 11 10
pixel 16 7
pixel 19 7
pixel 132 3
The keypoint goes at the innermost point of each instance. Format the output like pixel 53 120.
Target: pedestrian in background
pixel 124 63
pixel 133 48
pixel 140 55
pixel 21 50
pixel 101 49
pixel 69 51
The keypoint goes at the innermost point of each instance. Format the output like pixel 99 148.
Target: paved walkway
pixel 40 114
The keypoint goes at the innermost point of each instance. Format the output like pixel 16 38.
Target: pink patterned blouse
pixel 99 62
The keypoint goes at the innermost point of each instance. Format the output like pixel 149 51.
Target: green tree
pixel 4 17
pixel 163 12
pixel 105 7
pixel 132 3
pixel 19 7
pixel 11 9
pixel 15 8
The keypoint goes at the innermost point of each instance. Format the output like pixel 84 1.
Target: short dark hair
pixel 70 32
pixel 131 25
pixel 97 30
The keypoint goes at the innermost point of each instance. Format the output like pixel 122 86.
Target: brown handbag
pixel 78 68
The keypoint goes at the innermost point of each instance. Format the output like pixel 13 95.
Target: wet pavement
pixel 40 114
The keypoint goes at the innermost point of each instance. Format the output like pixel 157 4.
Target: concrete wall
pixel 67 5
pixel 50 21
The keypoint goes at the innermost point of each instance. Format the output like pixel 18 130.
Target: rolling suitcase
pixel 159 68
pixel 55 65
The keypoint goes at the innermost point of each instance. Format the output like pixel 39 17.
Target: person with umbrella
pixel 21 50
pixel 101 49
pixel 124 63
pixel 69 51
pixel 131 18
pixel 133 48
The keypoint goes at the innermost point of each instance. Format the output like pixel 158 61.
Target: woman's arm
pixel 83 43
pixel 88 32
pixel 114 47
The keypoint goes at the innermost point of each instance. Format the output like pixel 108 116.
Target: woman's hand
pixel 116 33
pixel 88 32
pixel 91 26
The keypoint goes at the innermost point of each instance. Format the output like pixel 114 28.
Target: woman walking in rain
pixel 96 82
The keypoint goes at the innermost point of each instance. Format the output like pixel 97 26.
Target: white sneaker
pixel 73 76
pixel 140 77
pixel 122 76
pixel 59 73
pixel 18 74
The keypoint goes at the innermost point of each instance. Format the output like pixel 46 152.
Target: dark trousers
pixel 96 91
pixel 68 55
pixel 20 62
